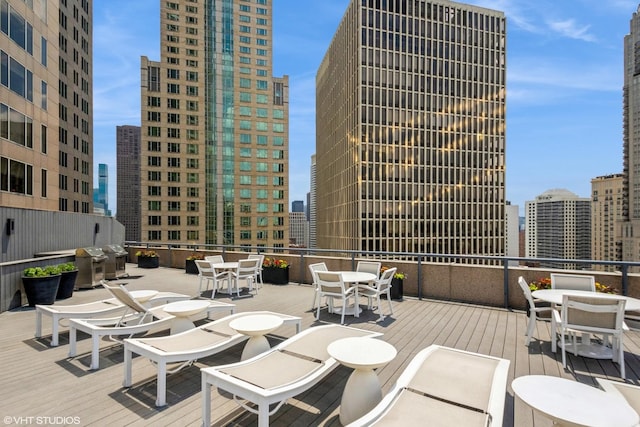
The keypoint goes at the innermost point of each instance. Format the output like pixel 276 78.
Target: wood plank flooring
pixel 37 380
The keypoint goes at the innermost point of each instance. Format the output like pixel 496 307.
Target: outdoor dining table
pixel 352 278
pixel 586 348
pixel 228 267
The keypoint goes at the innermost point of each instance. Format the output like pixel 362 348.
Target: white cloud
pixel 569 28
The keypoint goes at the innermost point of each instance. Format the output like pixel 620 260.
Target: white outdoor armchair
pixel 534 310
pixel 330 284
pixel 382 286
pixel 575 282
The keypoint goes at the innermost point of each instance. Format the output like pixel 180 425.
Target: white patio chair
pixel 330 284
pixel 259 271
pixel 445 387
pixel 214 259
pixel 628 392
pixel 247 270
pixel 290 368
pixel 372 267
pixel 574 282
pixel 187 347
pixel 319 266
pixel 381 286
pixel 534 310
pixel 590 315
pixel 207 273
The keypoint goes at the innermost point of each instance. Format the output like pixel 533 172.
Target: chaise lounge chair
pixel 138 319
pixel 441 387
pixel 189 346
pixel 105 307
pixel 629 392
pixel 288 369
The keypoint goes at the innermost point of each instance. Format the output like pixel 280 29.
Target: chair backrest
pixel 122 294
pixel 214 259
pixel 247 267
pixel 258 257
pixel 330 282
pixel 574 282
pixel 204 267
pixel 385 279
pixel 372 267
pixel 319 266
pixel 594 314
pixel 526 291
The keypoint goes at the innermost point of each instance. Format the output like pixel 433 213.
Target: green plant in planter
pixel 67 266
pixel 194 256
pixel 50 270
pixel 41 284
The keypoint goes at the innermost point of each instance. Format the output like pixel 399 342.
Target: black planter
pixel 148 261
pixel 276 276
pixel 67 284
pixel 41 290
pixel 190 266
pixel 396 288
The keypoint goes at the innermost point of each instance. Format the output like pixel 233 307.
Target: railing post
pixel 625 279
pixel 506 282
pixel 419 278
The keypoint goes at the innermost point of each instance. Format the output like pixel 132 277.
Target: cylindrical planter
pixel 190 266
pixel 276 276
pixel 396 289
pixel 41 290
pixel 67 284
pixel 148 261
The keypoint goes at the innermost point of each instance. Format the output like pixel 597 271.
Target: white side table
pixel 182 310
pixel 362 391
pixel 256 327
pixel 572 403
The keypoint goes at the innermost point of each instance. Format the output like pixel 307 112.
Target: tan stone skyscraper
pixel 606 211
pixel 410 149
pixel 214 152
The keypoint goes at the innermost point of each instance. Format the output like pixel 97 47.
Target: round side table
pixel 256 327
pixel 182 310
pixel 362 391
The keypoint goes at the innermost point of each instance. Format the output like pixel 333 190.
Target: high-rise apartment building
pixel 128 183
pixel 512 232
pixel 558 225
pixel 313 243
pixel 606 212
pixel 214 150
pixel 410 147
pixel 298 230
pixel 630 223
pixel 75 108
pixel 297 206
pixel 29 104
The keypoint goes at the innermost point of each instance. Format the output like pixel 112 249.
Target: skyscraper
pixel 101 194
pixel 606 211
pixel 46 100
pixel 214 165
pixel 558 225
pixel 630 223
pixel 410 146
pixel 128 184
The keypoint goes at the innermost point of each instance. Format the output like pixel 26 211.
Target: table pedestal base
pixel 361 394
pixel 181 324
pixel 254 346
pixel 589 349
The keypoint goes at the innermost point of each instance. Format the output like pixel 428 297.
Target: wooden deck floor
pixel 41 381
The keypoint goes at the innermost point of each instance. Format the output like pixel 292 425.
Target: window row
pixel 156 205
pixel 16 127
pixel 156 235
pixel 16 177
pixel 246 138
pixel 172 147
pixel 15 76
pixel 173 220
pixel 192 178
pixel 16 27
pixel 172 162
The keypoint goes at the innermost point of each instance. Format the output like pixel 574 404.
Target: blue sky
pixel 564 84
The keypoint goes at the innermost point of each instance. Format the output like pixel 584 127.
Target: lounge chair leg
pixel 38 323
pixel 206 402
pixel 54 331
pixel 128 356
pixel 263 415
pixel 95 352
pixel 72 341
pixel 161 392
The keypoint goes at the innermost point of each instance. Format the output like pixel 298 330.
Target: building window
pixel 16 177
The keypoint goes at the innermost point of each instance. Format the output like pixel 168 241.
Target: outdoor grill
pixel 116 262
pixel 91 267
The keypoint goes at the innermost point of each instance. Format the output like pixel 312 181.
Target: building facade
pixel 298 230
pixel 558 225
pixel 75 90
pixel 214 134
pixel 410 129
pixel 29 104
pixel 128 183
pixel 101 194
pixel 630 223
pixel 606 213
pixel 311 206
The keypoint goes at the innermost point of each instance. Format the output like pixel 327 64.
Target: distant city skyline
pixel 564 84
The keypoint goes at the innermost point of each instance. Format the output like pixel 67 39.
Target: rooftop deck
pixel 41 381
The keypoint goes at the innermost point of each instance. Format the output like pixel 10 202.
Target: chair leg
pixel 530 327
pixel 344 308
pixel 564 347
pixel 317 299
pixel 389 301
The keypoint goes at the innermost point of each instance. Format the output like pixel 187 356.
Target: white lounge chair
pixel 189 346
pixel 152 320
pixel 288 369
pixel 105 307
pixel 441 387
pixel 629 392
